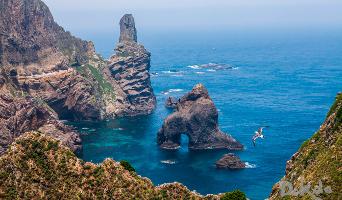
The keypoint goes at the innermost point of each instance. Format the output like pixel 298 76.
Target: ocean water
pixel 287 81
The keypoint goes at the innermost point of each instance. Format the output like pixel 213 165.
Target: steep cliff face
pixel 129 73
pixel 51 64
pixel 318 162
pixel 19 113
pixel 197 117
pixel 38 167
pixel 28 34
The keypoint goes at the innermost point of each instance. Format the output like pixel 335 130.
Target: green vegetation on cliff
pixel 36 166
pixel 319 160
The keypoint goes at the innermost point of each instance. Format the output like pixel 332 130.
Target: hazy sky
pixel 164 15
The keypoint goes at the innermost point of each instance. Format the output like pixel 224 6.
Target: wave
pixel 194 66
pixel 213 66
pixel 118 129
pixel 169 162
pixel 171 71
pixel 249 165
pixel 172 91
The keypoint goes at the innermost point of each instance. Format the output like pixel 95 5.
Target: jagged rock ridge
pixel 129 73
pixel 197 117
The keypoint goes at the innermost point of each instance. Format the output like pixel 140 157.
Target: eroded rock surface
pixel 197 117
pixel 129 73
pixel 51 64
pixel 20 113
pixel 230 161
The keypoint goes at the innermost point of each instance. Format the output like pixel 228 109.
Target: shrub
pixel 235 195
pixel 127 166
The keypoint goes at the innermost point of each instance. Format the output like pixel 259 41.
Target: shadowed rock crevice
pixel 197 117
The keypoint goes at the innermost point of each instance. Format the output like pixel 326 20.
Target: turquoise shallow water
pixel 286 81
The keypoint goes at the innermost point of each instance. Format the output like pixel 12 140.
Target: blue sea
pixel 285 80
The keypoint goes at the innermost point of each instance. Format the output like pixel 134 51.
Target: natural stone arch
pixel 197 117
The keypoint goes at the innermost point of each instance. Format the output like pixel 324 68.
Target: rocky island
pixel 197 117
pixel 230 161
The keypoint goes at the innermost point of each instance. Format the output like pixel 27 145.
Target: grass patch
pixel 127 166
pixel 234 195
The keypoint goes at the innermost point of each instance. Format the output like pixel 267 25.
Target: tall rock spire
pixel 128 32
pixel 129 71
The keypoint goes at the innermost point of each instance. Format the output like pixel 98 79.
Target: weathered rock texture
pixel 38 167
pixel 129 73
pixel 318 159
pixel 171 102
pixel 230 161
pixel 28 34
pixel 20 113
pixel 128 32
pixel 197 117
pixel 51 64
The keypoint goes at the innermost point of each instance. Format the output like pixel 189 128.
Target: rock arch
pixel 197 117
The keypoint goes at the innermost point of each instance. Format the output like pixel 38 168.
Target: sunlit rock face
pixel 129 73
pixel 197 117
pixel 51 64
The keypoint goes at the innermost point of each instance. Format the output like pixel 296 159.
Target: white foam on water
pixel 200 72
pixel 172 91
pixel 169 162
pixel 211 70
pixel 249 165
pixel 194 66
pixel 176 90
pixel 118 129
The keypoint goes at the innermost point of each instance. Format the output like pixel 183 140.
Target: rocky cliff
pixel 28 34
pixel 197 117
pixel 37 166
pixel 315 171
pixel 19 113
pixel 51 64
pixel 129 73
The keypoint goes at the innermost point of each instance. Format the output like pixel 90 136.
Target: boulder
pixel 197 117
pixel 230 161
pixel 171 102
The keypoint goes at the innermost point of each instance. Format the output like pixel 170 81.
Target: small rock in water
pixel 171 102
pixel 230 161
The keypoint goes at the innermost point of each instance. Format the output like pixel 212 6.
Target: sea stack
pixel 197 117
pixel 129 72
